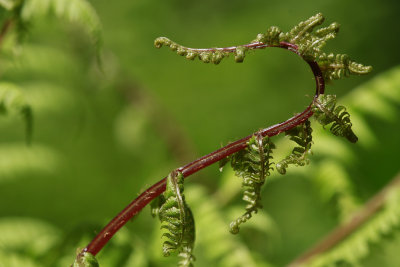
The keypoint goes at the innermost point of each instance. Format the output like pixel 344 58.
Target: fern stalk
pixel 154 191
pixel 302 41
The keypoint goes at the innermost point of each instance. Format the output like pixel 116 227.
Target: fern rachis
pixel 252 158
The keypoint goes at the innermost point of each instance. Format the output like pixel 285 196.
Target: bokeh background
pixel 103 136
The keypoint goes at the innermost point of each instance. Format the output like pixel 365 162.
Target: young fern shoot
pixel 299 156
pixel 177 219
pixel 326 111
pixel 253 165
pixel 250 156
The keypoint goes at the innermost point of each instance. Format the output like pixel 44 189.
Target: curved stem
pixel 143 199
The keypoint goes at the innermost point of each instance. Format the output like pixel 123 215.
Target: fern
pixel 337 66
pixel 308 43
pixel 216 246
pixel 356 247
pixel 12 100
pixel 74 11
pixel 177 218
pixel 252 165
pixel 326 112
pixel 302 136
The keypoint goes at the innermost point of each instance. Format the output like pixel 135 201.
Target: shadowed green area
pixel 103 135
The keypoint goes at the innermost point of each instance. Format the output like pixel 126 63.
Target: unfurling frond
pixel 12 100
pixel 326 112
pixel 177 218
pixel 214 55
pixel 307 41
pixel 299 156
pixel 85 259
pixel 337 66
pixel 253 165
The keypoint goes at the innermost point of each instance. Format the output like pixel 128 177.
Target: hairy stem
pixel 375 204
pixel 142 200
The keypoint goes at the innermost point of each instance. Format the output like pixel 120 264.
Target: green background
pixel 102 137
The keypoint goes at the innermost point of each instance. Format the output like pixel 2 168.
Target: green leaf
pixel 253 165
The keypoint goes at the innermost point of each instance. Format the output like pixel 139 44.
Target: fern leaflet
pixel 326 111
pixel 177 218
pixel 302 136
pixel 252 165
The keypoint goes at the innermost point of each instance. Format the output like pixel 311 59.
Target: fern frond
pixel 177 218
pixel 326 112
pixel 309 44
pixel 271 37
pixel 337 66
pixel 252 165
pixel 85 259
pixel 12 100
pixel 302 136
pixel 80 12
pixel 214 55
pixel 357 246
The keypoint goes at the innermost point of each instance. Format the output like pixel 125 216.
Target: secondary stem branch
pixel 142 200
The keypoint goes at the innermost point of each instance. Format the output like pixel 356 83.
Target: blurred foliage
pixel 103 136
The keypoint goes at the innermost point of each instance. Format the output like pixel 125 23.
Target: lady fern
pixel 177 219
pixel 326 112
pixel 299 156
pixel 250 156
pixel 253 165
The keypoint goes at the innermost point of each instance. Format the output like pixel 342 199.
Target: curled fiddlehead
pixel 302 136
pixel 326 111
pixel 253 165
pixel 177 219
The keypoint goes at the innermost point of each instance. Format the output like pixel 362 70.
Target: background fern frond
pixel 80 12
pixel 253 166
pixel 326 111
pixel 299 156
pixel 357 246
pixel 12 100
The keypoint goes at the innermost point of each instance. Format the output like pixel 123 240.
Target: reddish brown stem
pixel 141 201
